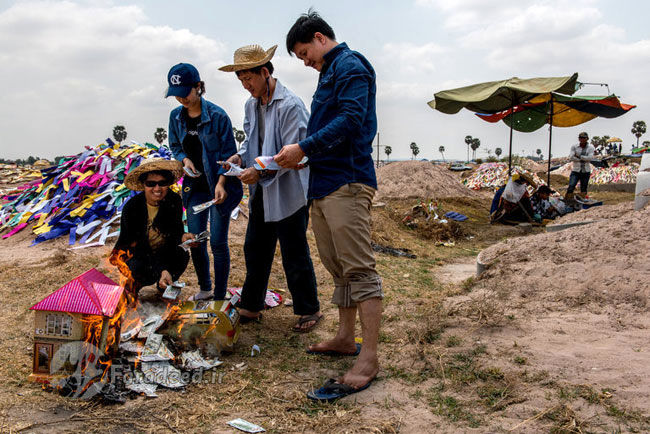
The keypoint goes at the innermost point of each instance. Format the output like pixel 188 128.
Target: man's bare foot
pixel 365 369
pixel 335 345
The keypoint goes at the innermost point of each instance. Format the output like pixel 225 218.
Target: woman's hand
pixel 188 163
pixel 189 236
pixel 220 194
pixel 165 280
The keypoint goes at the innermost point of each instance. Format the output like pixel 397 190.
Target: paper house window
pixel 58 324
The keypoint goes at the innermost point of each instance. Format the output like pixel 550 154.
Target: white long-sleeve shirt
pixel 582 157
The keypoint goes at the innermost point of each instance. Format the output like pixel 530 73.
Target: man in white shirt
pixel 582 154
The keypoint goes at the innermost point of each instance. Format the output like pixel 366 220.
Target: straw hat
pixel 132 180
pixel 249 57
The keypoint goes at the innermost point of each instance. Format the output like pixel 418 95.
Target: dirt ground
pixel 551 338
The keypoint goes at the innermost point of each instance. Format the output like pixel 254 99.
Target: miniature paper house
pixel 83 311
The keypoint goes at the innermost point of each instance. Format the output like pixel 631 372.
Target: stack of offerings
pixel 82 196
pixel 495 175
pixel 624 174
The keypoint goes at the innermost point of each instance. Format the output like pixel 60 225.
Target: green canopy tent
pixel 496 96
pixel 558 111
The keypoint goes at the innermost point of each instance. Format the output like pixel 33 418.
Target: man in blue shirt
pixel 342 183
pixel 274 116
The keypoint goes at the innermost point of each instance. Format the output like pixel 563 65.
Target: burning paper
pixel 160 355
pixel 150 325
pixel 129 334
pixel 132 347
pixel 245 426
pixel 163 373
pixel 192 360
pixel 149 389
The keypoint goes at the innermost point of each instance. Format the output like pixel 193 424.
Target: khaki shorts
pixel 341 224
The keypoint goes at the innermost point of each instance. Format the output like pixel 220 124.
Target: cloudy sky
pixel 74 69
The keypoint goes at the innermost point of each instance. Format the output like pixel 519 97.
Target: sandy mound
pixel 605 263
pixel 419 179
pixel 598 213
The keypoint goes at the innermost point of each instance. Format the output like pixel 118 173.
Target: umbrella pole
pixel 512 109
pixel 550 136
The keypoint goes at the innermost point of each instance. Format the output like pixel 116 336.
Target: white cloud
pixel 77 70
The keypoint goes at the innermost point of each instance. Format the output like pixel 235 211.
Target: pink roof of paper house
pixel 91 293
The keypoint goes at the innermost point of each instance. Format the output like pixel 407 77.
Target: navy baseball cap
pixel 181 79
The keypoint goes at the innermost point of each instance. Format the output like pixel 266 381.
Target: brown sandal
pixel 305 319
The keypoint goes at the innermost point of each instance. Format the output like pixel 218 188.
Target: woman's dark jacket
pixel 134 236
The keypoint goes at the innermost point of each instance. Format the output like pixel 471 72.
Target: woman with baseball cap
pixel 200 134
pixel 151 228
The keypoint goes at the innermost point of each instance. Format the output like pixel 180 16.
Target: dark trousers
pixel 259 250
pixel 583 177
pixel 146 269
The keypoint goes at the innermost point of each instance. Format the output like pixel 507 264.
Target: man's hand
pixel 234 159
pixel 165 279
pixel 289 156
pixel 249 176
pixel 220 194
pixel 188 163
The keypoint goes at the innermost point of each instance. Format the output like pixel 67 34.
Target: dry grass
pixel 431 379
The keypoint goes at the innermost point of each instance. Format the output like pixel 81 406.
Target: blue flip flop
pixel 456 216
pixel 333 390
pixel 334 353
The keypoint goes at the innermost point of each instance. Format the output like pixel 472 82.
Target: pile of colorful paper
pixel 82 196
pixel 495 175
pixel 615 175
pixel 13 174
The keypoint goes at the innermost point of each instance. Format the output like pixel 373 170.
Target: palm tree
pixel 539 153
pixel 415 150
pixel 413 146
pixel 160 135
pixel 476 143
pixel 441 149
pixel 468 142
pixel 388 150
pixel 240 136
pixel 119 133
pixel 638 129
pixel 498 151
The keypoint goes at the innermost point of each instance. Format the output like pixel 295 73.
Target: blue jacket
pixel 285 123
pixel 217 138
pixel 342 125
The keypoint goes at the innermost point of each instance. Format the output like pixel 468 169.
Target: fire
pixel 127 281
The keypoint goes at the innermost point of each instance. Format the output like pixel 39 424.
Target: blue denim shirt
pixel 342 125
pixel 218 140
pixel 285 123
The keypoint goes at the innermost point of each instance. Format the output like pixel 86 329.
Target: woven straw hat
pixel 132 180
pixel 248 57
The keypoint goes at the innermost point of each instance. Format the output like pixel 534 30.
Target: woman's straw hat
pixel 132 180
pixel 249 57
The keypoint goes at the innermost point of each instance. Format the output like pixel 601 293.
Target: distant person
pixel 200 134
pixel 581 154
pixel 273 116
pixel 342 183
pixel 542 205
pixel 151 228
pixel 512 204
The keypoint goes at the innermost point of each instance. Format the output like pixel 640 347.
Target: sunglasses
pixel 152 184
